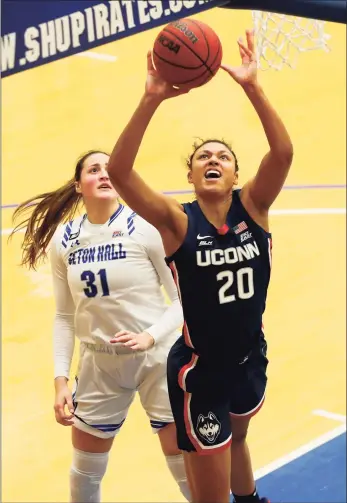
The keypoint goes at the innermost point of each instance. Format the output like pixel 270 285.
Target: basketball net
pixel 281 38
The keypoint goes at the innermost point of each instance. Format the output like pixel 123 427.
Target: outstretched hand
pixel 156 86
pixel 247 72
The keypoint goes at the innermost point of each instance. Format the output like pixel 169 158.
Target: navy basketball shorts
pixel 203 404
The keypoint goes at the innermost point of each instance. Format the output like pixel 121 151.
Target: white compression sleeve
pixel 87 471
pixel 63 330
pixel 63 344
pixel 172 319
pixel 177 469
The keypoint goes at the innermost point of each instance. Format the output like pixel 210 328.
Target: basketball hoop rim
pixel 324 10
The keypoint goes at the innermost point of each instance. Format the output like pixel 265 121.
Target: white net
pixel 281 38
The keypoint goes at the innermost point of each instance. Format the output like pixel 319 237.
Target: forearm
pixel 63 345
pixel 125 151
pixel 276 132
pixel 171 320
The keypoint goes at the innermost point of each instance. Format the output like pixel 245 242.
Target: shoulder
pixel 142 227
pixel 190 208
pixel 127 221
pixel 122 218
pixel 133 220
pixel 143 232
pixel 246 208
pixel 66 232
pixel 236 196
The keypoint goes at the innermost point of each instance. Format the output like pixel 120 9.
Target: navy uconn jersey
pixel 222 282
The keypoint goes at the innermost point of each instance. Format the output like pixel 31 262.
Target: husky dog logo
pixel 208 427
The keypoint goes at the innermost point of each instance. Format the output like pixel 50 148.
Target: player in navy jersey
pixel 108 266
pixel 219 251
pixel 216 268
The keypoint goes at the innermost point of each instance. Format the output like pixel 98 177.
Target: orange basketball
pixel 187 53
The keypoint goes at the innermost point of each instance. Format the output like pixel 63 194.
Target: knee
pixel 168 440
pixel 89 463
pixel 239 437
pixel 86 473
pixel 239 429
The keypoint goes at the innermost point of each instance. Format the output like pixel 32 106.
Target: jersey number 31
pixel 90 279
pixel 244 285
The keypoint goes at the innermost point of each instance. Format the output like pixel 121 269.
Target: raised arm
pixel 158 209
pixel 263 189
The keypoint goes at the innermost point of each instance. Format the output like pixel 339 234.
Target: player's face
pixel 213 169
pixel 95 183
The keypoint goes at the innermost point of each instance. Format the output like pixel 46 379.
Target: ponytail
pixel 47 211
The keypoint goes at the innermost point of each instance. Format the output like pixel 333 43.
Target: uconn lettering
pixel 99 253
pixel 231 255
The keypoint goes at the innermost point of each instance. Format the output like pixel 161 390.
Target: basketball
pixel 187 53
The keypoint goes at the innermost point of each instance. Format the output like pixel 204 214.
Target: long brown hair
pixel 46 212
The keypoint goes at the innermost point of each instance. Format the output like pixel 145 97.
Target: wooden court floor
pixel 53 113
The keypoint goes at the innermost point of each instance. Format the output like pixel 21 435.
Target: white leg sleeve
pixel 177 469
pixel 87 471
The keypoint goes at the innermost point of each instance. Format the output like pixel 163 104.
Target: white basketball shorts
pixel 107 380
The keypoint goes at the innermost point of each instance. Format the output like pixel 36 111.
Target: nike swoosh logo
pixel 203 237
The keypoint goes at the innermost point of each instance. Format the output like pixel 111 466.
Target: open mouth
pixel 104 186
pixel 212 174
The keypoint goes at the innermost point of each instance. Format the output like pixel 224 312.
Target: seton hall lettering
pixel 228 256
pixel 99 253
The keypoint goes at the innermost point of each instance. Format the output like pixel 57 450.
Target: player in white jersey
pixel 108 267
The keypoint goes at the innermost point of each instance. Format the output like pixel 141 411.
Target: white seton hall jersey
pixel 107 278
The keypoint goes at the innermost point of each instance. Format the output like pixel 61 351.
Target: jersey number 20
pixel 242 291
pixel 92 289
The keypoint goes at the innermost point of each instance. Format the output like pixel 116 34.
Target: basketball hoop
pixel 281 38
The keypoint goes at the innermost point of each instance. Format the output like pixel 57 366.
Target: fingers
pixel 64 422
pixel 177 91
pixel 150 65
pixel 128 339
pixel 122 339
pixel 242 52
pixel 60 412
pixel 250 39
pixel 137 347
pixel 61 417
pixel 122 336
pixel 70 405
pixel 136 342
pixel 122 332
pixel 131 343
pixel 247 51
pixel 243 49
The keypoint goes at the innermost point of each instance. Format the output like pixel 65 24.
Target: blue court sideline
pixel 319 476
